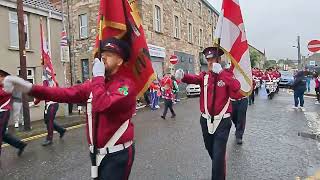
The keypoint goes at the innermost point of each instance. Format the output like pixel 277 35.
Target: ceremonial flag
pixel 46 59
pixel 121 19
pixel 231 37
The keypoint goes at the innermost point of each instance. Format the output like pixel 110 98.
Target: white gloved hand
pixel 98 68
pixel 8 87
pixel 11 83
pixel 216 68
pixel 179 74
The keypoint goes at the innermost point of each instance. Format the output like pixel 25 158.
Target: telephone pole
pixel 23 63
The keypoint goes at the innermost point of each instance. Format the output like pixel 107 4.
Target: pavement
pixel 39 127
pixel 174 149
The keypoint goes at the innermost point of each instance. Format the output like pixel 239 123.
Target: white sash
pixel 111 143
pixel 3 105
pixel 212 125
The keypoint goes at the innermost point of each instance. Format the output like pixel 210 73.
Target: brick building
pixel 180 27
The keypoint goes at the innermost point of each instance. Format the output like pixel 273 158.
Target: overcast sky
pixel 275 24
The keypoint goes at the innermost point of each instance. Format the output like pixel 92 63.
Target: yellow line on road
pixel 44 134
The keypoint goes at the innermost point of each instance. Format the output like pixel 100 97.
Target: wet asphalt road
pixel 173 148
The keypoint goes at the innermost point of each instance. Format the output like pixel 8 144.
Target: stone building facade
pixel 180 27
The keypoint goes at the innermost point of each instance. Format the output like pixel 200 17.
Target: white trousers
pixel 16 113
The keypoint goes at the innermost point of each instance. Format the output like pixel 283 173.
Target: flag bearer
pixel 111 102
pixel 216 87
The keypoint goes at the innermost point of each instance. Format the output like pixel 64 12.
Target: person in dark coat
pixel 299 87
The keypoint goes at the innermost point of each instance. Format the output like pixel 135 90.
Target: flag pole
pixel 96 117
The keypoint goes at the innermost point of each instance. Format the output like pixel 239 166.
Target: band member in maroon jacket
pixel 5 108
pixel 50 111
pixel 166 83
pixel 216 86
pixel 111 102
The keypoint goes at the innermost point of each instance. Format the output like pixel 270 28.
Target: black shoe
pixel 163 117
pixel 239 141
pixel 63 132
pixel 173 116
pixel 47 143
pixel 21 149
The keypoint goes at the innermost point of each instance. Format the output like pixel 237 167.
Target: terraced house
pixel 9 44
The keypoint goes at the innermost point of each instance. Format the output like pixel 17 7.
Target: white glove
pixel 98 68
pixel 216 68
pixel 11 83
pixel 179 74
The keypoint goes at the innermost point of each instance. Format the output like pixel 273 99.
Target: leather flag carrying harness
pixel 214 122
pixel 98 154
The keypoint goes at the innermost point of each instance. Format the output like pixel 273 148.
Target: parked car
pixel 286 79
pixel 193 90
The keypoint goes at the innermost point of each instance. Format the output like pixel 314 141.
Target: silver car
pixel 193 90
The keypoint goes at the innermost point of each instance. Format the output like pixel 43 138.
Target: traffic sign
pixel 314 46
pixel 173 59
pixel 312 63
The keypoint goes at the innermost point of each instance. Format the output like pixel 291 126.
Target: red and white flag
pixel 49 74
pixel 230 32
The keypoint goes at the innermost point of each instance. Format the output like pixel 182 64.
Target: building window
pixel 157 18
pixel 85 69
pixel 30 78
pixel 189 4
pixel 200 9
pixel 30 74
pixel 13 33
pixel 83 26
pixel 190 32
pixel 200 37
pixel 209 16
pixel 176 27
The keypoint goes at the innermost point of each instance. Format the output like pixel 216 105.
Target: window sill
pixel 17 49
pixel 176 38
pixel 158 32
pixel 83 38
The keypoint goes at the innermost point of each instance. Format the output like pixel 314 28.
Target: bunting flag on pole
pixel 46 62
pixel 231 36
pixel 121 19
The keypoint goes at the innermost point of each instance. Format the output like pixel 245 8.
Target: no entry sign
pixel 314 46
pixel 173 59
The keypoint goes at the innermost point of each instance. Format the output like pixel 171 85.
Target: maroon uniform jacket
pixel 4 99
pixel 276 74
pixel 226 83
pixel 266 77
pixel 168 94
pixel 113 102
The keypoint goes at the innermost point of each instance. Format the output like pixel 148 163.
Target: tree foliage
pixel 255 58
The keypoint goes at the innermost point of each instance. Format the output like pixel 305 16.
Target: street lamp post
pixel 299 53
